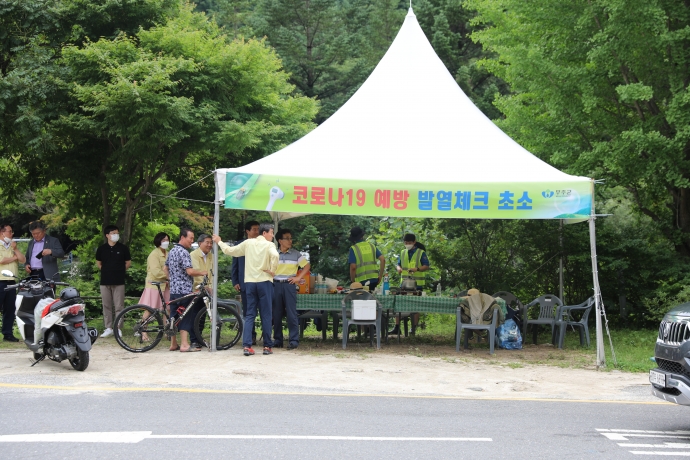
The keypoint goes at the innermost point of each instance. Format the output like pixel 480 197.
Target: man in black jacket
pixel 43 253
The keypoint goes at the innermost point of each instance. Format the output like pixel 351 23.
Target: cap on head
pixel 356 234
pixel 409 237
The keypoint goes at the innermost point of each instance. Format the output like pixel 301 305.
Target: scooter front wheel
pixel 81 361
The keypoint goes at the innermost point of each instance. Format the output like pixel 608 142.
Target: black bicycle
pixel 141 327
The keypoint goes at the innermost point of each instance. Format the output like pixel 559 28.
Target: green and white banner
pixel 470 200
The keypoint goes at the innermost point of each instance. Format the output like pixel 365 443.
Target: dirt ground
pixel 324 368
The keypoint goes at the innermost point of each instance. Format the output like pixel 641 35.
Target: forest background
pixel 117 111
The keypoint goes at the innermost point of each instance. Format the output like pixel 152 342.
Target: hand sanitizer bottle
pixel 386 284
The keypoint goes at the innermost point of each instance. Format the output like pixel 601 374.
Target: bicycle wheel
pixel 140 328
pixel 228 327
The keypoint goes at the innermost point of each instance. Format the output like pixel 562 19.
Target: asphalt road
pixel 134 425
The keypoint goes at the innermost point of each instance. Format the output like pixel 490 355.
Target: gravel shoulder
pixel 323 368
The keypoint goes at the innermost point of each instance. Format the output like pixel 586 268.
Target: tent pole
pixel 601 356
pixel 560 265
pixel 214 311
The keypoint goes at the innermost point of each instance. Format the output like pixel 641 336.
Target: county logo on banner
pixel 470 200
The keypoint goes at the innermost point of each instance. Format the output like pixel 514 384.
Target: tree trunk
pixel 681 217
pixel 107 207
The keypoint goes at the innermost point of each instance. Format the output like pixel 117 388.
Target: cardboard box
pixel 364 310
pixel 304 288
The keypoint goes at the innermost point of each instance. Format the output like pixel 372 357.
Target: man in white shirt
pixel 261 263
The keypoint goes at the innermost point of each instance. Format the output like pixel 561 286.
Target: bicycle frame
pixel 201 293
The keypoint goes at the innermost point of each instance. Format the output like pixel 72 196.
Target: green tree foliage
pixel 176 100
pixel 233 15
pixel 320 43
pixel 447 24
pixel 600 88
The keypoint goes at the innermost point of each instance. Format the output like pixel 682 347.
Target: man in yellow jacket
pixel 261 263
pixel 363 257
pixel 202 259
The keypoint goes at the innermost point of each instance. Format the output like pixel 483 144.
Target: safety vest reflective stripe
pixel 416 263
pixel 365 258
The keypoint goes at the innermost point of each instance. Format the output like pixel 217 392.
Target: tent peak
pixel 410 12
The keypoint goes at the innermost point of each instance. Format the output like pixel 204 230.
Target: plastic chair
pixel 304 315
pixel 476 327
pixel 348 321
pixel 548 305
pixel 514 306
pixel 565 319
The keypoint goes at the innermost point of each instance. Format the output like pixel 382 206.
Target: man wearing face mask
pixel 10 258
pixel 412 262
pixel 113 260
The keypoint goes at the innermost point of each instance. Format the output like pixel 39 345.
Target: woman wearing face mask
pixel 155 271
pixel 412 262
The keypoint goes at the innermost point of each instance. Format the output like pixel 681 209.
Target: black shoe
pixel 196 345
pixel 10 338
pixel 292 346
pixel 394 331
pixel 277 345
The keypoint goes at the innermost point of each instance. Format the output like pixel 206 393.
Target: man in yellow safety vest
pixel 412 262
pixel 362 260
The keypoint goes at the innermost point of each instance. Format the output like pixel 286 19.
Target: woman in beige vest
pixel 155 271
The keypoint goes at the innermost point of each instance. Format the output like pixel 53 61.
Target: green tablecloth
pixel 397 303
pixel 419 304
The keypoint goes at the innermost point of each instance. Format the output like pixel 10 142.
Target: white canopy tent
pixel 410 125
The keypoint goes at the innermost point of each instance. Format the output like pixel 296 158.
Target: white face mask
pixel 7 240
pixel 114 237
pixel 165 244
pixel 409 246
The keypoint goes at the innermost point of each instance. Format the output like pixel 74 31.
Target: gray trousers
pixel 113 303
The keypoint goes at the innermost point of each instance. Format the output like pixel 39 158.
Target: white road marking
pixel 668 445
pixel 667 453
pixel 127 437
pixel 138 436
pixel 624 435
pixel 322 438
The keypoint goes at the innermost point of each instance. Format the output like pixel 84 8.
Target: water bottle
pixel 438 290
pixel 386 284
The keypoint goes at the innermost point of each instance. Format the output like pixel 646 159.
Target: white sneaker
pixel 107 333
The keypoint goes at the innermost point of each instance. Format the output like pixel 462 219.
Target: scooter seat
pixel 62 304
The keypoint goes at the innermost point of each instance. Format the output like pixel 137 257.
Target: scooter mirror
pixel 8 274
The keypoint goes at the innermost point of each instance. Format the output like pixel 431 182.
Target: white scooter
pixel 52 328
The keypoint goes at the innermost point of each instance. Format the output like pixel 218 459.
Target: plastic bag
pixel 509 336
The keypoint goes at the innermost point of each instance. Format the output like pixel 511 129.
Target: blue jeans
pixel 259 298
pixel 285 299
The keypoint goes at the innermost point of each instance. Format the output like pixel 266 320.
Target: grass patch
pixel 633 349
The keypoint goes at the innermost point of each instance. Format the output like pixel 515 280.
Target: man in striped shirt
pixel 285 290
